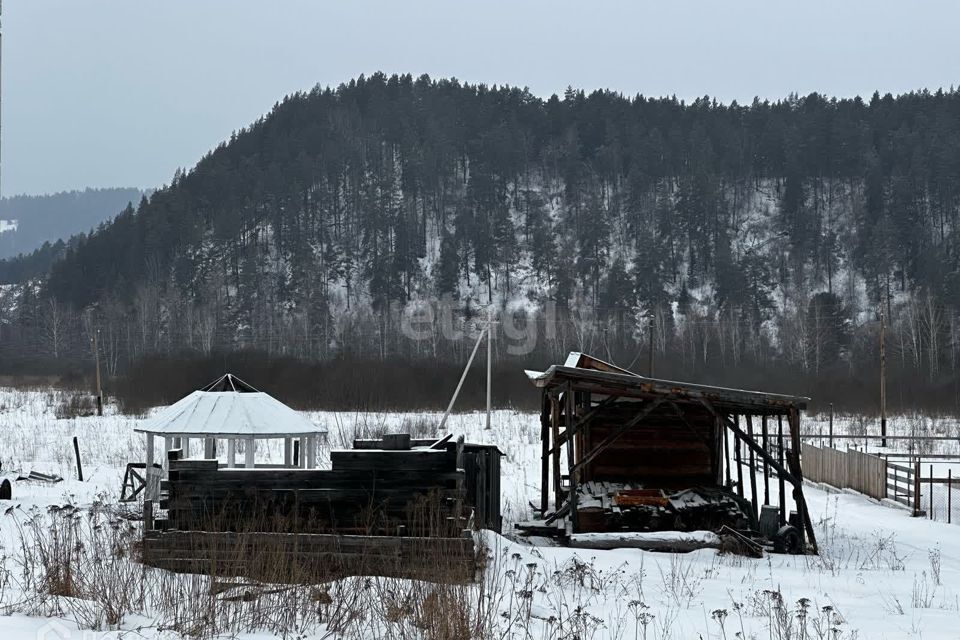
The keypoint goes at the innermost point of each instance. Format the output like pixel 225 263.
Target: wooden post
pixel 797 470
pixel 737 458
pixel 167 442
pixel 931 492
pixel 753 471
pixel 717 455
pixel 250 447
pixel 571 461
pixel 76 450
pixel 780 480
pixel 831 425
pixel 555 433
pixel 288 452
pixel 303 452
pixel 544 452
pixel 311 452
pixel 766 467
pixel 726 452
pixel 149 472
pixel 209 448
pixel 916 488
pixel 231 453
pixel 186 448
pixel 148 515
pixel 949 496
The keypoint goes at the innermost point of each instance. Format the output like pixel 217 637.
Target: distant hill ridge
pixel 48 218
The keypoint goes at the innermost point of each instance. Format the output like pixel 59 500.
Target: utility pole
pixel 489 361
pixel 651 328
pixel 485 333
pixel 883 377
pixel 96 359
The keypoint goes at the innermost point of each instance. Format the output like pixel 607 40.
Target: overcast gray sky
pixel 122 92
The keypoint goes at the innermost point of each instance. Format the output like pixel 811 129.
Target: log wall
pixel 367 492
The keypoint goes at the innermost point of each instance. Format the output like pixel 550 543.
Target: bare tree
pixel 53 324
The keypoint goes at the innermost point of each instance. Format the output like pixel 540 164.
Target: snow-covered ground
pixel 881 573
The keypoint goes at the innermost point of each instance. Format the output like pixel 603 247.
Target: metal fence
pixel 935 482
pixel 925 484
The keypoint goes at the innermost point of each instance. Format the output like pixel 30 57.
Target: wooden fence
pixel 848 469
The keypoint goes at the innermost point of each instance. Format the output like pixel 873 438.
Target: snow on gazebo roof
pixel 229 408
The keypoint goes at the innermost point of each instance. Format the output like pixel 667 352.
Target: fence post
pixel 931 492
pixel 916 488
pixel 949 497
pixel 831 425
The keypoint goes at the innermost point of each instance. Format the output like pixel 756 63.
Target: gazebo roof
pixel 229 408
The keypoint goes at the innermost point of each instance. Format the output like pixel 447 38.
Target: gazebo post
pixel 186 447
pixel 209 448
pixel 248 453
pixel 311 452
pixel 288 451
pixel 303 452
pixel 231 453
pixel 149 472
pixel 166 453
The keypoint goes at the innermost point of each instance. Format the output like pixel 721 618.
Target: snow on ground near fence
pixel 882 574
pixel 936 499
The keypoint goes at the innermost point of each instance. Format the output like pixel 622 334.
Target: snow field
pixel 881 574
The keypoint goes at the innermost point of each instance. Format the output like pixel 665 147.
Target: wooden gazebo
pixel 231 411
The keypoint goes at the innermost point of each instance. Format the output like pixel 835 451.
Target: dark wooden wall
pixel 367 492
pixel 664 451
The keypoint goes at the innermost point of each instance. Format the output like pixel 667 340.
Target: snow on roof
pixel 240 413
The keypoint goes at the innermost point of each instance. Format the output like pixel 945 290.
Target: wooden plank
pixel 416 459
pixel 610 439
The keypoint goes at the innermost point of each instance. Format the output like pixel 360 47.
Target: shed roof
pixel 229 407
pixel 592 374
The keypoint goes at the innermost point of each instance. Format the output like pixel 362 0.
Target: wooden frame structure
pixel 610 425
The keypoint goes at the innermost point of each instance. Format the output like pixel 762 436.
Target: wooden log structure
pixel 620 428
pixel 372 491
pixel 384 509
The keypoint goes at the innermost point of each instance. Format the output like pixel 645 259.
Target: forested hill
pixel 767 233
pixel 58 216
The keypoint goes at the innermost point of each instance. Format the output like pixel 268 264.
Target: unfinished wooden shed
pixel 616 447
